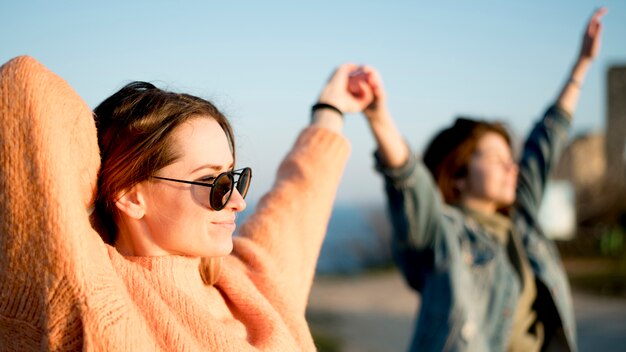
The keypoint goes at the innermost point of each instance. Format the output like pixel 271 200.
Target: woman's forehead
pixel 494 143
pixel 202 142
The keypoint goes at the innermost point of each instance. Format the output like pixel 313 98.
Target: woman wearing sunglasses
pixel 465 225
pixel 163 272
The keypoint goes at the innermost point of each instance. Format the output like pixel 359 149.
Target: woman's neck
pixel 482 205
pixel 133 239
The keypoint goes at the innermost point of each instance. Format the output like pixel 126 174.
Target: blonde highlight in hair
pixel 211 269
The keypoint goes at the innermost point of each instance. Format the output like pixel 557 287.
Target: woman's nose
pixel 236 202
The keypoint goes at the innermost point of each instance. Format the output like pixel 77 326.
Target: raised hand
pixel 366 77
pixel 570 93
pixel 366 82
pixel 591 39
pixel 336 91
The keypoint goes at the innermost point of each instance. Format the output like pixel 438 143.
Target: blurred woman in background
pixel 466 234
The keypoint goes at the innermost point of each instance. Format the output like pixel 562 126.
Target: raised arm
pixel 291 219
pixel 392 149
pixel 48 163
pixel 414 203
pixel 589 49
pixel 549 135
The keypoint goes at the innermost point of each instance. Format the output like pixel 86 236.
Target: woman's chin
pixel 220 247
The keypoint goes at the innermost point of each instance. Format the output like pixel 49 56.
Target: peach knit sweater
pixel 62 288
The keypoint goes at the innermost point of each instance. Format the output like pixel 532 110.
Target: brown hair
pixel 134 127
pixel 448 155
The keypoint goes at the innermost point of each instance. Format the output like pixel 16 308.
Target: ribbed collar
pixel 182 271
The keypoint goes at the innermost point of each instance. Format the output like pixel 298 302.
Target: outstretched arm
pixel 290 221
pixel 414 203
pixel 549 136
pixel 392 149
pixel 589 49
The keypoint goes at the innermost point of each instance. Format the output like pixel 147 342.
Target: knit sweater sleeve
pixel 48 165
pixel 290 221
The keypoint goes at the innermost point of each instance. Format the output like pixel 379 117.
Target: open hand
pixel 344 94
pixel 591 39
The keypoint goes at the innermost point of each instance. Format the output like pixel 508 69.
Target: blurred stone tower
pixel 616 131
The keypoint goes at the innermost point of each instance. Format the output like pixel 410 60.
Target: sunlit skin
pixel 492 175
pixel 161 217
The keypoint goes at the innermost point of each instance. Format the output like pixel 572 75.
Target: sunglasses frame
pixel 230 174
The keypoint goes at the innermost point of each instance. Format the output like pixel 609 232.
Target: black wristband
pixel 318 106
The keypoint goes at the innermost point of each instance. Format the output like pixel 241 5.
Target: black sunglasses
pixel 218 189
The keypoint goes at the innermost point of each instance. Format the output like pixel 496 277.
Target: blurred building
pixel 616 127
pixel 583 164
pixel 595 164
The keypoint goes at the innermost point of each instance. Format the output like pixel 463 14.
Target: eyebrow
pixel 216 168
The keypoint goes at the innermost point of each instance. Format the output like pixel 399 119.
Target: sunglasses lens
pixel 220 193
pixel 244 182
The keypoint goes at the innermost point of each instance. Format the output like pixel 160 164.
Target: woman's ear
pixel 132 202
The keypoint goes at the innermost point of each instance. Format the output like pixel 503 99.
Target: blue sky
pixel 263 63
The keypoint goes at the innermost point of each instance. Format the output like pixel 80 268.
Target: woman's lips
pixel 228 224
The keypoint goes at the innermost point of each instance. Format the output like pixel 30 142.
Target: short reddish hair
pixel 447 156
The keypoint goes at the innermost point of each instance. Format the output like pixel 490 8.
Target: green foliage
pixel 612 242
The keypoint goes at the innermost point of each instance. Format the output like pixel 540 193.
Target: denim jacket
pixel 469 289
